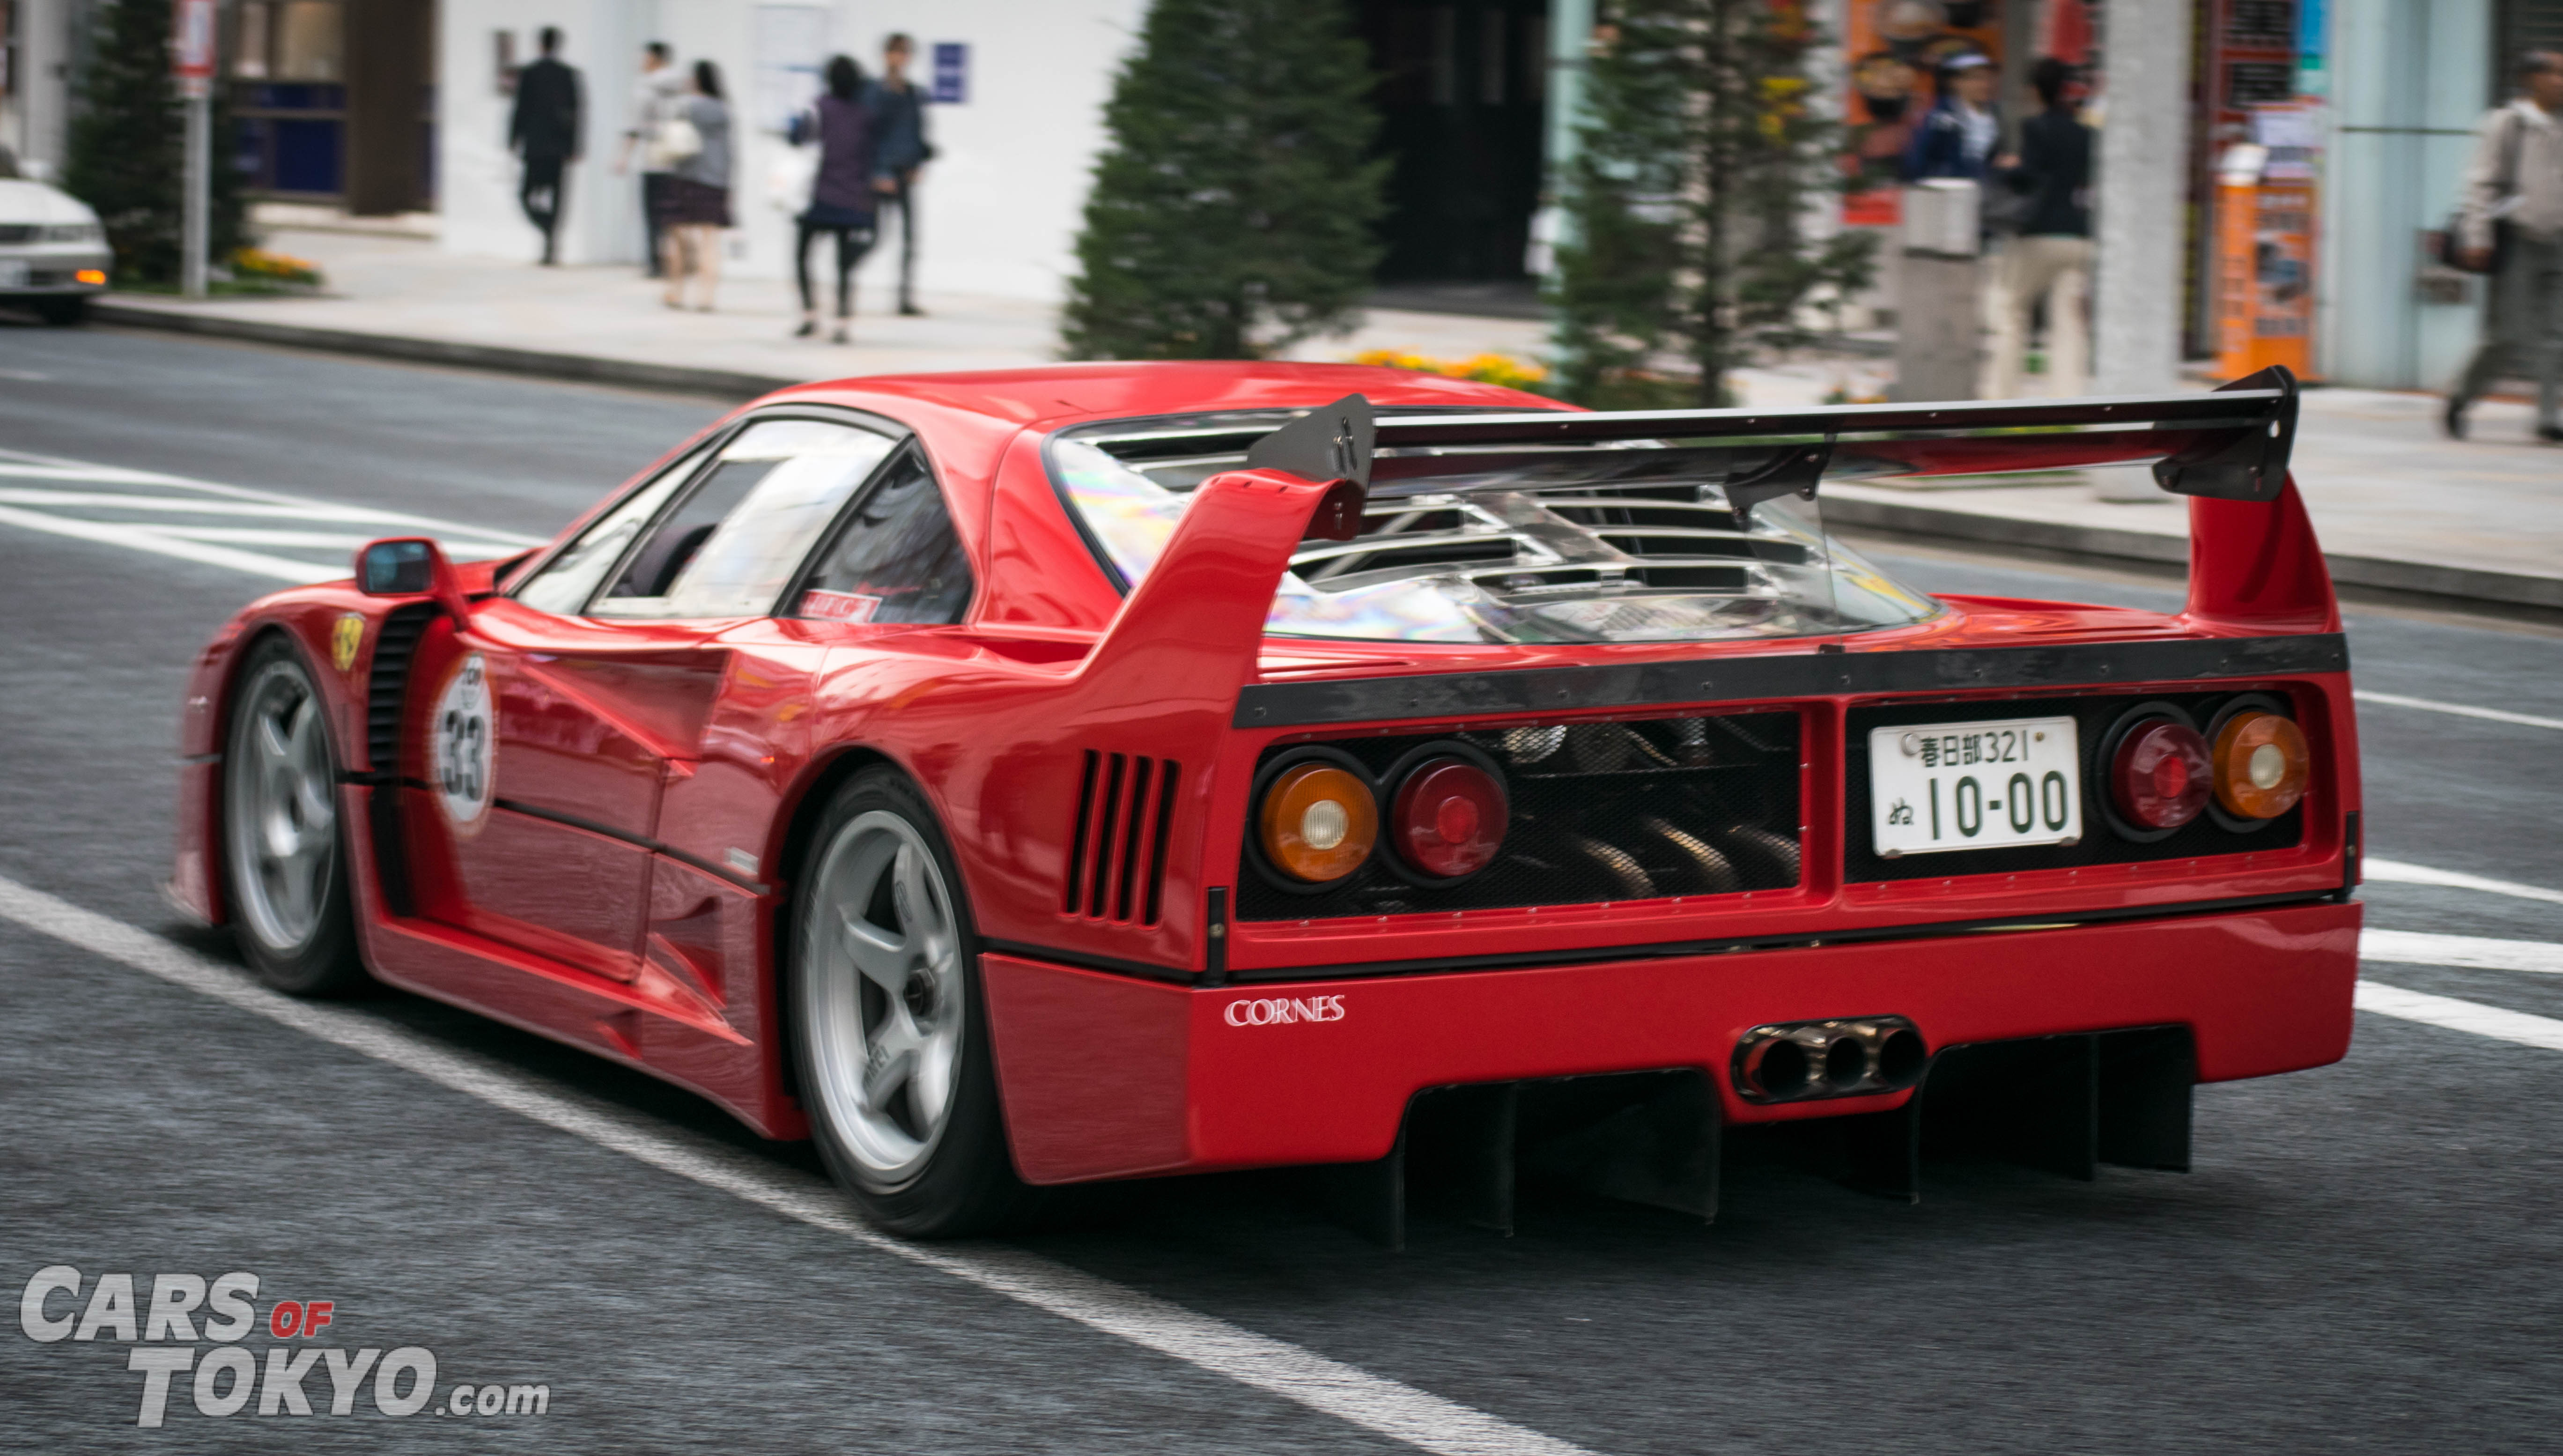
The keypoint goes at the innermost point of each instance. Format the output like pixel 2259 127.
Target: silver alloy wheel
pixel 882 995
pixel 282 817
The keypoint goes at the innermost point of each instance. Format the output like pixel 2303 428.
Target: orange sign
pixel 2265 262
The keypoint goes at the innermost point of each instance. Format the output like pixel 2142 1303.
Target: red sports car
pixel 1037 777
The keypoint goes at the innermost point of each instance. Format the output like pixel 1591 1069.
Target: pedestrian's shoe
pixel 911 310
pixel 839 336
pixel 808 327
pixel 2454 417
pixel 2551 430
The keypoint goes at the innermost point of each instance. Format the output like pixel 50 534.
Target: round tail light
pixel 2161 777
pixel 2261 766
pixel 1318 823
pixel 1448 818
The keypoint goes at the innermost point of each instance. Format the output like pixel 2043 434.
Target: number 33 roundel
pixel 457 744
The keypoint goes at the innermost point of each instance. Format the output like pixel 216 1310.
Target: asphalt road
pixel 2363 1259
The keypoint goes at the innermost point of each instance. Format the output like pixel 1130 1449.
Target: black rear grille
pixel 1116 864
pixel 387 684
pixel 1601 811
pixel 2092 714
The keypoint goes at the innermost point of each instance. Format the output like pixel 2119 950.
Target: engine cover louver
pixel 1116 864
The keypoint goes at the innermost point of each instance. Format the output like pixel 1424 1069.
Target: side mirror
pixel 411 566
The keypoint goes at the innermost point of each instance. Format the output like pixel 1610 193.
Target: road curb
pixel 2422 578
pixel 2380 573
pixel 542 363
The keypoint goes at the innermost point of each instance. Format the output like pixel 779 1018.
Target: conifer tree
pixel 127 145
pixel 1232 209
pixel 1699 155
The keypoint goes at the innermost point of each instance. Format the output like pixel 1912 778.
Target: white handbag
pixel 674 141
pixel 789 177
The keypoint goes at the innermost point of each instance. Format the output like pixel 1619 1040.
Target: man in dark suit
pixel 544 131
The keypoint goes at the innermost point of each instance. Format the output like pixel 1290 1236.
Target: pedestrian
pixel 1959 136
pixel 2049 261
pixel 841 192
pixel 698 192
pixel 544 130
pixel 655 93
pixel 2511 224
pixel 900 153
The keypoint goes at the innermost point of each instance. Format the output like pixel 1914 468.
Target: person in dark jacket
pixel 2051 260
pixel 841 193
pixel 544 130
pixel 1963 131
pixel 900 153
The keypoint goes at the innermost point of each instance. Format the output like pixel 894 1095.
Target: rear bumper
pixel 1107 1076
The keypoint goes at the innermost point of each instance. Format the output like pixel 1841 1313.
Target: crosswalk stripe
pixel 2413 948
pixel 2396 872
pixel 2468 1016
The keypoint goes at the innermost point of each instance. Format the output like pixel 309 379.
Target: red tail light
pixel 1448 818
pixel 2162 775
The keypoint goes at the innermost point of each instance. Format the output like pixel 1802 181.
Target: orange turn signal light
pixel 2262 766
pixel 1318 823
pixel 96 275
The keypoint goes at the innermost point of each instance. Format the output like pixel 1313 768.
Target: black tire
pixel 63 311
pixel 299 940
pixel 963 1181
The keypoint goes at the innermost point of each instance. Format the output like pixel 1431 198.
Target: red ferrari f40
pixel 1039 777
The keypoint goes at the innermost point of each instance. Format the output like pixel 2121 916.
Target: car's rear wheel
pixel 63 309
pixel 892 1031
pixel 285 866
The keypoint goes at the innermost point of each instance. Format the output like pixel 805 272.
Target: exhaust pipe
pixel 1804 1060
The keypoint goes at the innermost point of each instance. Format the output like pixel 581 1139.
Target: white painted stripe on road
pixel 135 538
pixel 2460 710
pixel 2411 948
pixel 2398 873
pixel 2455 1015
pixel 1373 1403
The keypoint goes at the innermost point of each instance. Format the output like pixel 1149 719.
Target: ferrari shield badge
pixel 459 745
pixel 344 638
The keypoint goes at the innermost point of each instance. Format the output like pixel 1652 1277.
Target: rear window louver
pixel 387 684
pixel 1116 862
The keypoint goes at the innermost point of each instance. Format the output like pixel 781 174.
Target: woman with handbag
pixel 694 139
pixel 841 193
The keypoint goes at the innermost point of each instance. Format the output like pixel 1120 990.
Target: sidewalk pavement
pixel 2398 506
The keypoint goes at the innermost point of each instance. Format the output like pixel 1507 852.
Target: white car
pixel 53 251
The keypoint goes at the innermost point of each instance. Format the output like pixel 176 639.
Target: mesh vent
pixel 1601 811
pixel 2092 716
pixel 1116 865
pixel 387 685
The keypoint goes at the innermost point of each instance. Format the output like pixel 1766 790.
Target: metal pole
pixel 196 228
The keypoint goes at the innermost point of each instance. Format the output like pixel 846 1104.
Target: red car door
pixel 553 727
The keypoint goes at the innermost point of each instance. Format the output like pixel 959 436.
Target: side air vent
pixel 387 689
pixel 1116 864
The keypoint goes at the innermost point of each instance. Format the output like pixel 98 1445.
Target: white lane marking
pixel 253 535
pixel 2413 947
pixel 1332 1387
pixel 137 538
pixel 2455 1015
pixel 2460 710
pixel 307 511
pixel 2398 873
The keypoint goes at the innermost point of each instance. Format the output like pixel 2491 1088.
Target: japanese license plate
pixel 1974 785
pixel 13 273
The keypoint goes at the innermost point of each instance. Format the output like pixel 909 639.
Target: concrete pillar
pixel 42 98
pixel 2144 152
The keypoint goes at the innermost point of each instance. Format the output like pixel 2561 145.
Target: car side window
pixel 730 545
pixel 565 582
pixel 898 557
